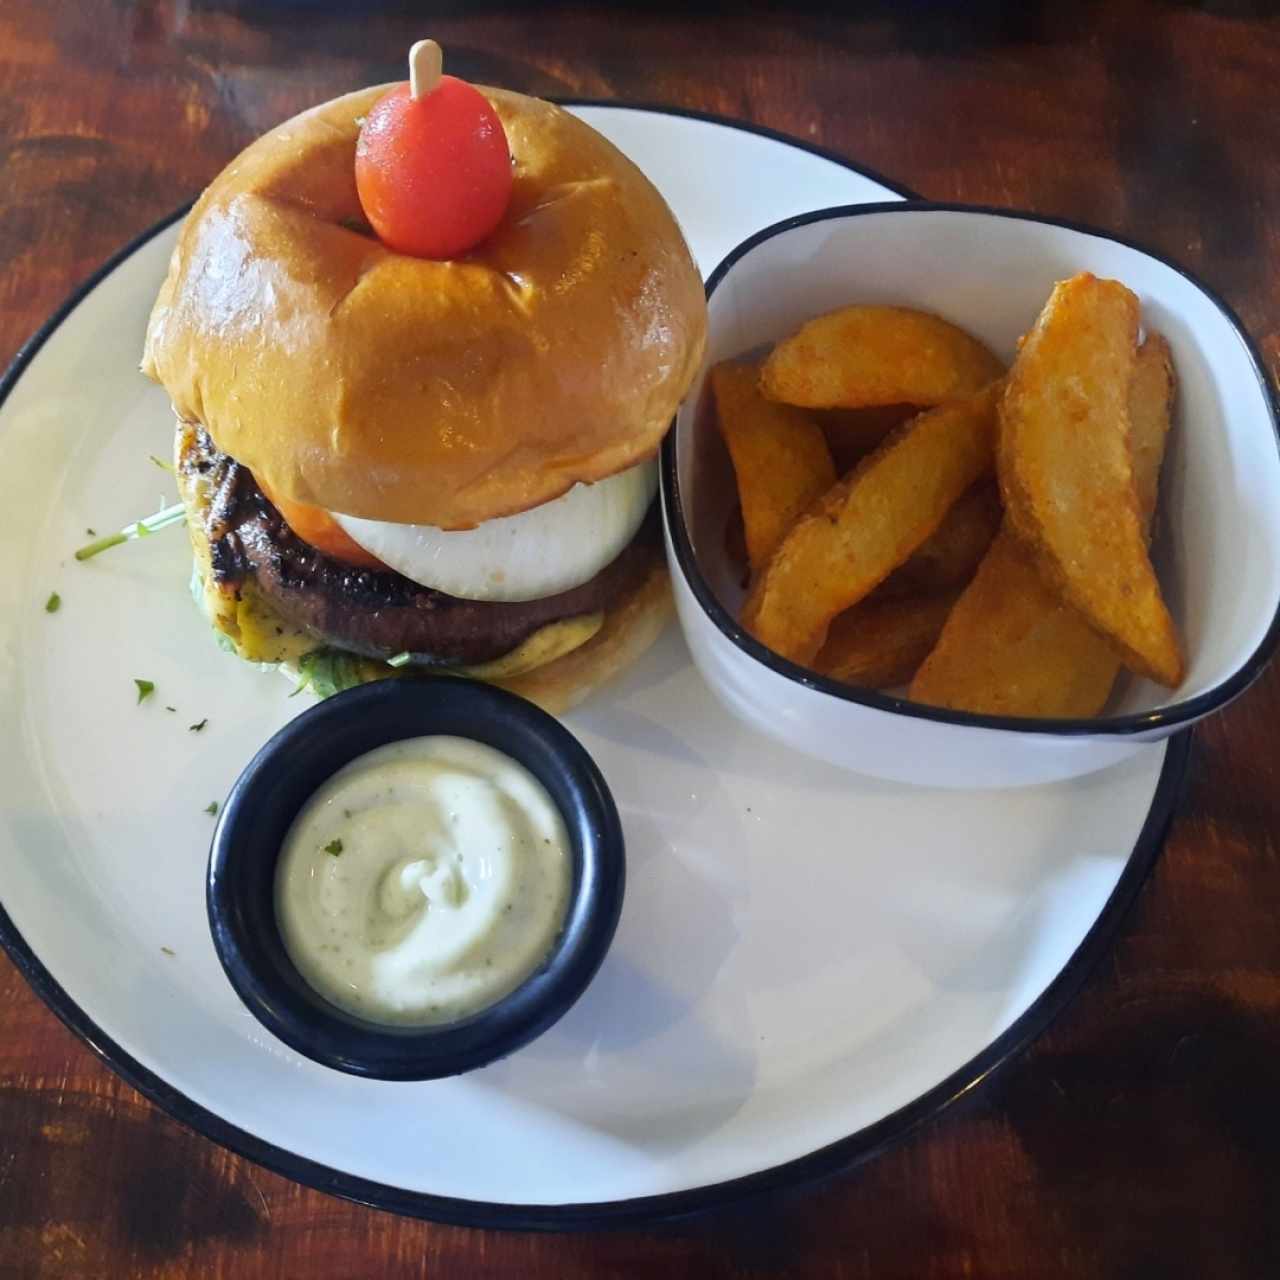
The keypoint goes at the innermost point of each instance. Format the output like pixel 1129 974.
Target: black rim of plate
pixel 1167 717
pixel 839 1156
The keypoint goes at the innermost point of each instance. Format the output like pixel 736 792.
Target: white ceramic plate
pixel 808 963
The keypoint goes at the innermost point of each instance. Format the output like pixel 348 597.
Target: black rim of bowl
pixel 1165 718
pixel 281 777
pixel 838 1156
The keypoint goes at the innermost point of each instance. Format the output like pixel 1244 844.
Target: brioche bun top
pixel 367 382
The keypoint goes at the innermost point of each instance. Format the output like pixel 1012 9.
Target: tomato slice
pixel 315 526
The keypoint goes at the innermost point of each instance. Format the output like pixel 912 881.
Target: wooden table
pixel 1141 1135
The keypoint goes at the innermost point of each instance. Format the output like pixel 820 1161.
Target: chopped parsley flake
pixel 169 951
pixel 334 847
pixel 53 603
pixel 91 533
pixel 145 689
pixel 195 728
pixel 171 708
pixel 211 808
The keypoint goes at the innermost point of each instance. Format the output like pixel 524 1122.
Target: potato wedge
pixel 1151 393
pixel 868 355
pixel 1066 471
pixel 853 433
pixel 1011 646
pixel 879 643
pixel 865 526
pixel 950 557
pixel 780 457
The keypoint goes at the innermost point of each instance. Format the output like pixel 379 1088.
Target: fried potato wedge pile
pixel 868 524
pixel 915 515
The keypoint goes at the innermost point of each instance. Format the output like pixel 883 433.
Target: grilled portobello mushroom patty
pixel 372 613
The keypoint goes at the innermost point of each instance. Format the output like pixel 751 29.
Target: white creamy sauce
pixel 423 881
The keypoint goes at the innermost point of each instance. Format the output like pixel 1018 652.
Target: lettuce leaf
pixel 329 671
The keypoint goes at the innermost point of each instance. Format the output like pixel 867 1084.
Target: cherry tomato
pixel 433 173
pixel 314 525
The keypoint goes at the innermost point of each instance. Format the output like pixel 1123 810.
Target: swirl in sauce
pixel 424 881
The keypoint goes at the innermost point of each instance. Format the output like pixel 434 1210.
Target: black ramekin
pixel 288 770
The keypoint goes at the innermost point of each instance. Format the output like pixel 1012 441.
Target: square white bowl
pixel 1217 546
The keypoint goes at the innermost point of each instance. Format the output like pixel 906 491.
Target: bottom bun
pixel 630 628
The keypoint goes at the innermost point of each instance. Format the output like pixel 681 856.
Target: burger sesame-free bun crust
pixel 353 378
pixel 630 628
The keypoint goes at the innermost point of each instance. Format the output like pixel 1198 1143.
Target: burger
pixel 393 464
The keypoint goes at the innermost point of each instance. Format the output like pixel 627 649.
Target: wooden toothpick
pixel 426 61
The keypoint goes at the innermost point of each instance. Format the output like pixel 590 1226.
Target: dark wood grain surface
pixel 1141 1135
